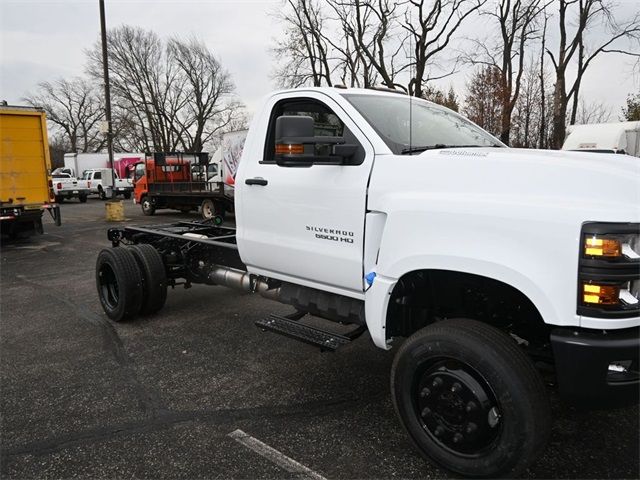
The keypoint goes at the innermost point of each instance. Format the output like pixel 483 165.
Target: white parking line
pixel 270 453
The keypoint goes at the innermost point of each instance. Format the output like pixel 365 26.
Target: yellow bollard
pixel 115 210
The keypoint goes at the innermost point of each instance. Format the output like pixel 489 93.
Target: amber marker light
pixel 289 149
pixel 602 247
pixel 600 294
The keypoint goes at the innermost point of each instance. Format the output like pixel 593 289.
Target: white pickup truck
pixel 507 272
pixel 66 187
pixel 98 181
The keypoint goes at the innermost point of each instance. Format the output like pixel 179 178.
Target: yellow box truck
pixel 26 188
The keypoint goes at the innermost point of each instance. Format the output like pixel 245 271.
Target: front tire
pixel 119 283
pixel 101 193
pixel 148 208
pixel 470 399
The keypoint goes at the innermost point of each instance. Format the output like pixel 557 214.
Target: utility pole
pixel 107 94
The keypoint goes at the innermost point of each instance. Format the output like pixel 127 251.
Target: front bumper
pixel 596 367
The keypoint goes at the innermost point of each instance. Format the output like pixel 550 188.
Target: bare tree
pixel 592 112
pixel 166 96
pixel 431 28
pixel 75 109
pixel 210 106
pixel 530 114
pixel 574 46
pixel 304 47
pixel 518 25
pixel 399 44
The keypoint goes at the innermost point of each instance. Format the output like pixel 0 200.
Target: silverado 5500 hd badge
pixel 332 234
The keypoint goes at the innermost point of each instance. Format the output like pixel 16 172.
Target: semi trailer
pixel 497 273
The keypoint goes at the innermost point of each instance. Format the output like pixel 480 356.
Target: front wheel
pixel 101 193
pixel 148 207
pixel 470 399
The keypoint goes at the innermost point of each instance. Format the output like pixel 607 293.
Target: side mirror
pixel 296 144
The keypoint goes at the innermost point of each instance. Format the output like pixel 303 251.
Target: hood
pixel 601 187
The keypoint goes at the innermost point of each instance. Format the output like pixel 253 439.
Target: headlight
pixel 609 270
pixel 612 246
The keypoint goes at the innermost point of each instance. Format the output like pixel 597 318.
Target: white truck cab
pixel 103 181
pixel 407 221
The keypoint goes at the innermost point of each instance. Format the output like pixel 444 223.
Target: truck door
pixel 304 224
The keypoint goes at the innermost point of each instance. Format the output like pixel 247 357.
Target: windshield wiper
pixel 437 146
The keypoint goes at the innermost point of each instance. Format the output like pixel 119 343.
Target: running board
pixel 303 333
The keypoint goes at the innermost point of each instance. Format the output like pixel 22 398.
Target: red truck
pixel 181 181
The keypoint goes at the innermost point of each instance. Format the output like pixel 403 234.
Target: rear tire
pixel 470 399
pixel 148 208
pixel 127 195
pixel 154 278
pixel 82 198
pixel 119 283
pixel 59 199
pixel 101 193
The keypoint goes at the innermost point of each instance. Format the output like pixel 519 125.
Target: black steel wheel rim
pixel 108 286
pixel 456 407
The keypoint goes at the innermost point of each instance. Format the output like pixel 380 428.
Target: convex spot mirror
pixel 296 145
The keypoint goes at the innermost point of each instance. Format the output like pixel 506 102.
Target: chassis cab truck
pixel 484 266
pixel 26 188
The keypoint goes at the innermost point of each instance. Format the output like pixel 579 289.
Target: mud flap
pixel 56 215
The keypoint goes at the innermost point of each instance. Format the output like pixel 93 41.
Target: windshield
pixel 432 126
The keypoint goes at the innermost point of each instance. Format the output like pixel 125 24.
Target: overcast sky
pixel 43 40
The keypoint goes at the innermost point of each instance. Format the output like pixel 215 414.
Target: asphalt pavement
pixel 161 397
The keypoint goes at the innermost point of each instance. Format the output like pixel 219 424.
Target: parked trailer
pixel 26 188
pixel 617 137
pixel 502 268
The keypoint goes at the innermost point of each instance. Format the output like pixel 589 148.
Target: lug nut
pixel 456 387
pixel 457 438
pixel 437 382
pixel 438 431
pixel 471 427
pixel 426 411
pixel 425 392
pixel 471 406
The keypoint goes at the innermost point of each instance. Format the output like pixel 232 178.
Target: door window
pixel 97 175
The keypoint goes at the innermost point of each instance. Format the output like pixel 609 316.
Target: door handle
pixel 256 181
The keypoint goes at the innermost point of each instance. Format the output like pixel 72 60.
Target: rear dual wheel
pixel 119 283
pixel 130 281
pixel 470 399
pixel 154 278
